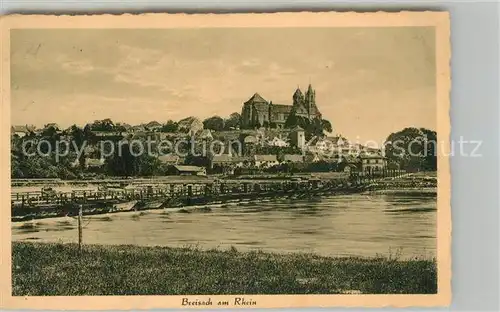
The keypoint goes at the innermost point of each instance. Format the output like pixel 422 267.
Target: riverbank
pixel 58 269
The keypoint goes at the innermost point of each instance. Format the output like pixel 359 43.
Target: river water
pixel 347 225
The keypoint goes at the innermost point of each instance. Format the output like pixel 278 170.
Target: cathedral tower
pixel 310 103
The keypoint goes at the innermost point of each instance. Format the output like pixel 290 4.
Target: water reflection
pixel 348 225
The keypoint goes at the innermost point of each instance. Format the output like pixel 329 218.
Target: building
pixel 277 142
pixel 227 163
pixel 153 126
pixel 265 161
pixel 169 159
pixel 206 135
pixel 137 129
pixel 187 170
pixel 94 162
pixel 323 145
pixel 250 145
pixel 312 158
pixel 291 158
pixel 21 131
pixel 338 141
pixel 372 162
pixel 123 126
pixel 109 134
pixel 258 112
pixel 298 137
pixel 229 160
pixel 191 125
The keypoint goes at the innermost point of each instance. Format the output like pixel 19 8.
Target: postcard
pixel 225 160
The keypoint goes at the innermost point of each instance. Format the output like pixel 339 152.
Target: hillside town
pixel 265 137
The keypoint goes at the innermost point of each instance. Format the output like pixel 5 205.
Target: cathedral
pixel 257 112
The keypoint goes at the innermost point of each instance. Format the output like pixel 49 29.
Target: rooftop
pixel 256 98
pixel 188 168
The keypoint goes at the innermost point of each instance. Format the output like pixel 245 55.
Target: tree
pixel 121 165
pixel 170 126
pixel 120 127
pixel 233 122
pixel 103 125
pixel 50 135
pixel 430 148
pixel 214 123
pixel 412 149
pixel 77 135
pixel 326 125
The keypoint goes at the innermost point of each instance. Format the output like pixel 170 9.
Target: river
pixel 347 225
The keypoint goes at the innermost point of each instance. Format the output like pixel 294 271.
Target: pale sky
pixel 369 81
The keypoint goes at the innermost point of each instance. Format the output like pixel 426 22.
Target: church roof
pixel 281 108
pixel 298 92
pixel 256 98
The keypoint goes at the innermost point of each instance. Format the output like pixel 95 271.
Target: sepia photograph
pixel 215 159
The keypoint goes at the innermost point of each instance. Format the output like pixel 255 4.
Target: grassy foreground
pixel 58 269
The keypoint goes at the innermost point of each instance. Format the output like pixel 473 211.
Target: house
pixel 226 159
pixel 289 158
pixel 190 125
pixel 205 134
pixel 265 161
pixel 338 140
pixel 277 142
pixel 123 126
pixel 153 126
pixel 108 134
pixel 348 168
pixel 138 128
pixel 169 159
pixel 310 158
pixel 169 135
pixel 372 162
pixel 249 144
pixel 187 170
pixel 250 139
pixel 324 145
pixel 89 149
pixel 75 163
pixel 94 162
pixel 21 131
pixel 227 163
pixel 297 137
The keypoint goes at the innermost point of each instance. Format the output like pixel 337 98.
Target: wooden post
pixel 80 234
